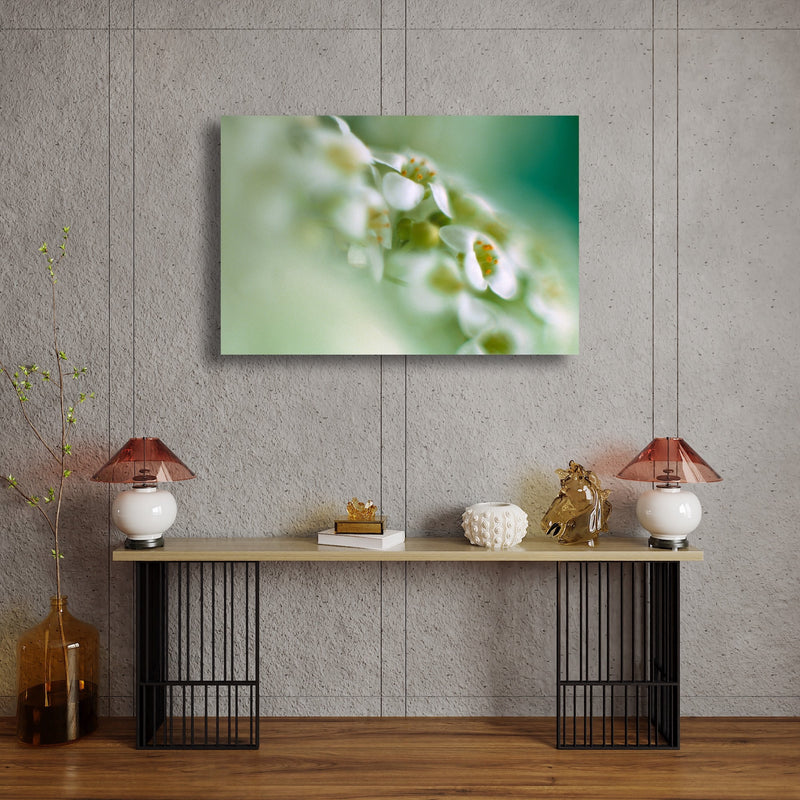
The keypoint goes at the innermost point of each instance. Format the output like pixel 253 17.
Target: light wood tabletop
pixel 415 548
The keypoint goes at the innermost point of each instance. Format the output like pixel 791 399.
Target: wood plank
pixel 425 758
pixel 417 548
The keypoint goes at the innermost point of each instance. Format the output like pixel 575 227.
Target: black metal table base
pixel 197 662
pixel 197 646
pixel 618 656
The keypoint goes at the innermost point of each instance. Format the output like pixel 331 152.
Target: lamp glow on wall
pixel 668 512
pixel 144 512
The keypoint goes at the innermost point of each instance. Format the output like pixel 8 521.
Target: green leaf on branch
pixel 62 355
pixel 56 555
pixel 43 248
pixel 33 501
pixel 51 495
pixel 11 482
pixel 67 473
pixel 67 449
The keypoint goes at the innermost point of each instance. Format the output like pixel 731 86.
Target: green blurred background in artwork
pixel 329 248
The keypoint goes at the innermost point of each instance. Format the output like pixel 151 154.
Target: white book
pixel 384 541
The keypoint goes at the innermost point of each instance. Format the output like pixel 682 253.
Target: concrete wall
pixel 110 123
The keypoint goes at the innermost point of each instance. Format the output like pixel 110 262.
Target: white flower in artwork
pixel 549 299
pixel 485 263
pixel 437 286
pixel 404 187
pixel 504 337
pixel 371 230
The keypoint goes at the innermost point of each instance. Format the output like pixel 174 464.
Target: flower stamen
pixel 486 256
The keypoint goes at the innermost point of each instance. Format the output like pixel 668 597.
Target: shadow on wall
pixel 14 619
pixel 211 234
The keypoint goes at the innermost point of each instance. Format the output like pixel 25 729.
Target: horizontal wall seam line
pixel 378 29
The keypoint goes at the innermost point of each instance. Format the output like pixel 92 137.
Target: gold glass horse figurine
pixel 580 511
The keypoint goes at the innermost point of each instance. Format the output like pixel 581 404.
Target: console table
pixel 616 614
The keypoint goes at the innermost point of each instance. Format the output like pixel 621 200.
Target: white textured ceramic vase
pixel 495 525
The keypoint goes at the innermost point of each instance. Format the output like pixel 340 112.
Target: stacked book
pixel 368 534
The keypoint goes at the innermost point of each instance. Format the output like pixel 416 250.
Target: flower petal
pixel 393 160
pixel 472 269
pixel 470 348
pixel 375 257
pixel 473 315
pixel 503 282
pixel 440 197
pixel 400 192
pixel 458 237
pixel 343 126
pixel 350 217
pixel 357 256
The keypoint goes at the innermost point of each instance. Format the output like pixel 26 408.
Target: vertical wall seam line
pixel 405 411
pixel 677 220
pixel 653 219
pixel 133 219
pixel 108 373
pixel 380 405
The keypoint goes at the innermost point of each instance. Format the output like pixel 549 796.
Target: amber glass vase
pixel 57 669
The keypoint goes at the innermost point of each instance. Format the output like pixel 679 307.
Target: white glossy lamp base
pixel 669 514
pixel 143 514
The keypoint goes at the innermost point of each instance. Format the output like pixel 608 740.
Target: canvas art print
pixel 399 235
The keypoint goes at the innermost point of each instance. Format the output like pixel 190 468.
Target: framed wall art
pixel 399 235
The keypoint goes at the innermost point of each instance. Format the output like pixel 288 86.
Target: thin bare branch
pixel 33 427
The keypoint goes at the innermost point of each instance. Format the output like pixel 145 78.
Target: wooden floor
pixel 426 758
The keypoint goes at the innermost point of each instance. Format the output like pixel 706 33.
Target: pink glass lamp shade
pixel 668 512
pixel 144 512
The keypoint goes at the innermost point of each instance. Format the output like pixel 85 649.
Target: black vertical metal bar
pixel 202 619
pixel 582 642
pixel 558 653
pixel 150 627
pixel 657 648
pixel 168 727
pixel 612 715
pixel 214 658
pixel 581 629
pixel 231 566
pixel 188 650
pixel 180 619
pixel 675 568
pixel 638 604
pixel 649 652
pixel 633 620
pixel 224 621
pixel 625 687
pixel 621 621
pixel 607 638
pixel 213 620
pixel 598 639
pixel 604 714
pixel 154 713
pixel 566 621
pixel 253 717
pixel 247 622
pixel 257 652
pixel 229 713
pixel 233 619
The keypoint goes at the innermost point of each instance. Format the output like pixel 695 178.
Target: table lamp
pixel 668 512
pixel 144 512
